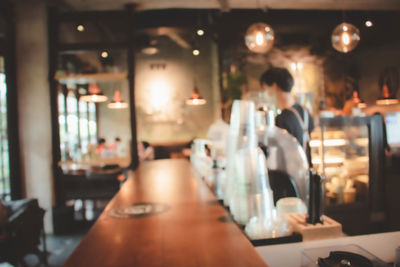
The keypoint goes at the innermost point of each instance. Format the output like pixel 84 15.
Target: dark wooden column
pixel 12 101
pixel 55 131
pixel 130 9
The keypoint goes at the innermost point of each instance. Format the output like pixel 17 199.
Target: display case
pixel 349 152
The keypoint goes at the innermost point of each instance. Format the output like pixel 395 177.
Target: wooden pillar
pixel 130 9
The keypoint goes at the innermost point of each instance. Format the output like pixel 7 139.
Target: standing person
pixel 294 118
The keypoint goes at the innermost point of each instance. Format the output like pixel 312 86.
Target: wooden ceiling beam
pixel 224 4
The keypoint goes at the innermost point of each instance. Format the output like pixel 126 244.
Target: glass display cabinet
pixel 349 152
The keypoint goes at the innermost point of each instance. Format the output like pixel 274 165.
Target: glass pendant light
pixel 117 102
pixel 195 99
pixel 94 95
pixel 345 37
pixel 259 38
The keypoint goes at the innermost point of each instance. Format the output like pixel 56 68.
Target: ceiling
pixel 227 5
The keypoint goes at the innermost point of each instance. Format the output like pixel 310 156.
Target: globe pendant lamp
pixel 345 37
pixel 117 102
pixel 94 94
pixel 195 99
pixel 259 38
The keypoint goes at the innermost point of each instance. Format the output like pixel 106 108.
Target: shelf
pixel 338 142
pixel 88 78
pixel 345 121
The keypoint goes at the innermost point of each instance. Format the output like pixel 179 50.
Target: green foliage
pixel 234 82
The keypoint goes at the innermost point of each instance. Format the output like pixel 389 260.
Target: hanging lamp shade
pixel 386 98
pixel 195 99
pixel 259 38
pixel 117 102
pixel 345 37
pixel 94 94
pixel 356 99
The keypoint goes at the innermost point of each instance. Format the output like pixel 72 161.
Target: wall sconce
pixel 94 94
pixel 117 102
pixel 150 50
pixel 259 38
pixel 345 37
pixel 195 99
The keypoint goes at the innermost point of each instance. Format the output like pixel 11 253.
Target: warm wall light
pixel 345 37
pixel 195 99
pixel 150 50
pixel 117 102
pixel 94 95
pixel 259 38
pixel 296 66
pixel 196 52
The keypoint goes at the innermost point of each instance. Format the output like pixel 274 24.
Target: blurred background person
pixel 145 151
pixel 116 148
pixel 101 148
pixel 294 118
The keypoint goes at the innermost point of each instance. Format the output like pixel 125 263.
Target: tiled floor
pixel 59 248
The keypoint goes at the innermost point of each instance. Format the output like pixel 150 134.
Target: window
pixel 78 125
pixel 4 152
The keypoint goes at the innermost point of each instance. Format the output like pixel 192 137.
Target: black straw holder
pixel 316 200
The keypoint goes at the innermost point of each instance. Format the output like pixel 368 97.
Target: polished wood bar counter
pixel 193 231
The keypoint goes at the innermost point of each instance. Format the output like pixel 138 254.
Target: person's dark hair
pixel 117 139
pixel 280 76
pixel 101 141
pixel 145 144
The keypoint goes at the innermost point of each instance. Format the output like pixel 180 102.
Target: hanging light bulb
pixel 94 94
pixel 345 37
pixel 195 99
pixel 259 38
pixel 117 102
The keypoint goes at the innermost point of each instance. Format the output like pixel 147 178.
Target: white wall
pixel 162 115
pixel 115 122
pixel 34 103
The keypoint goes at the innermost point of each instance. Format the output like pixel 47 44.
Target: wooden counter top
pixel 192 232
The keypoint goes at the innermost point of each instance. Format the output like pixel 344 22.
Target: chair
pixel 20 235
pixel 89 187
pixel 282 184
